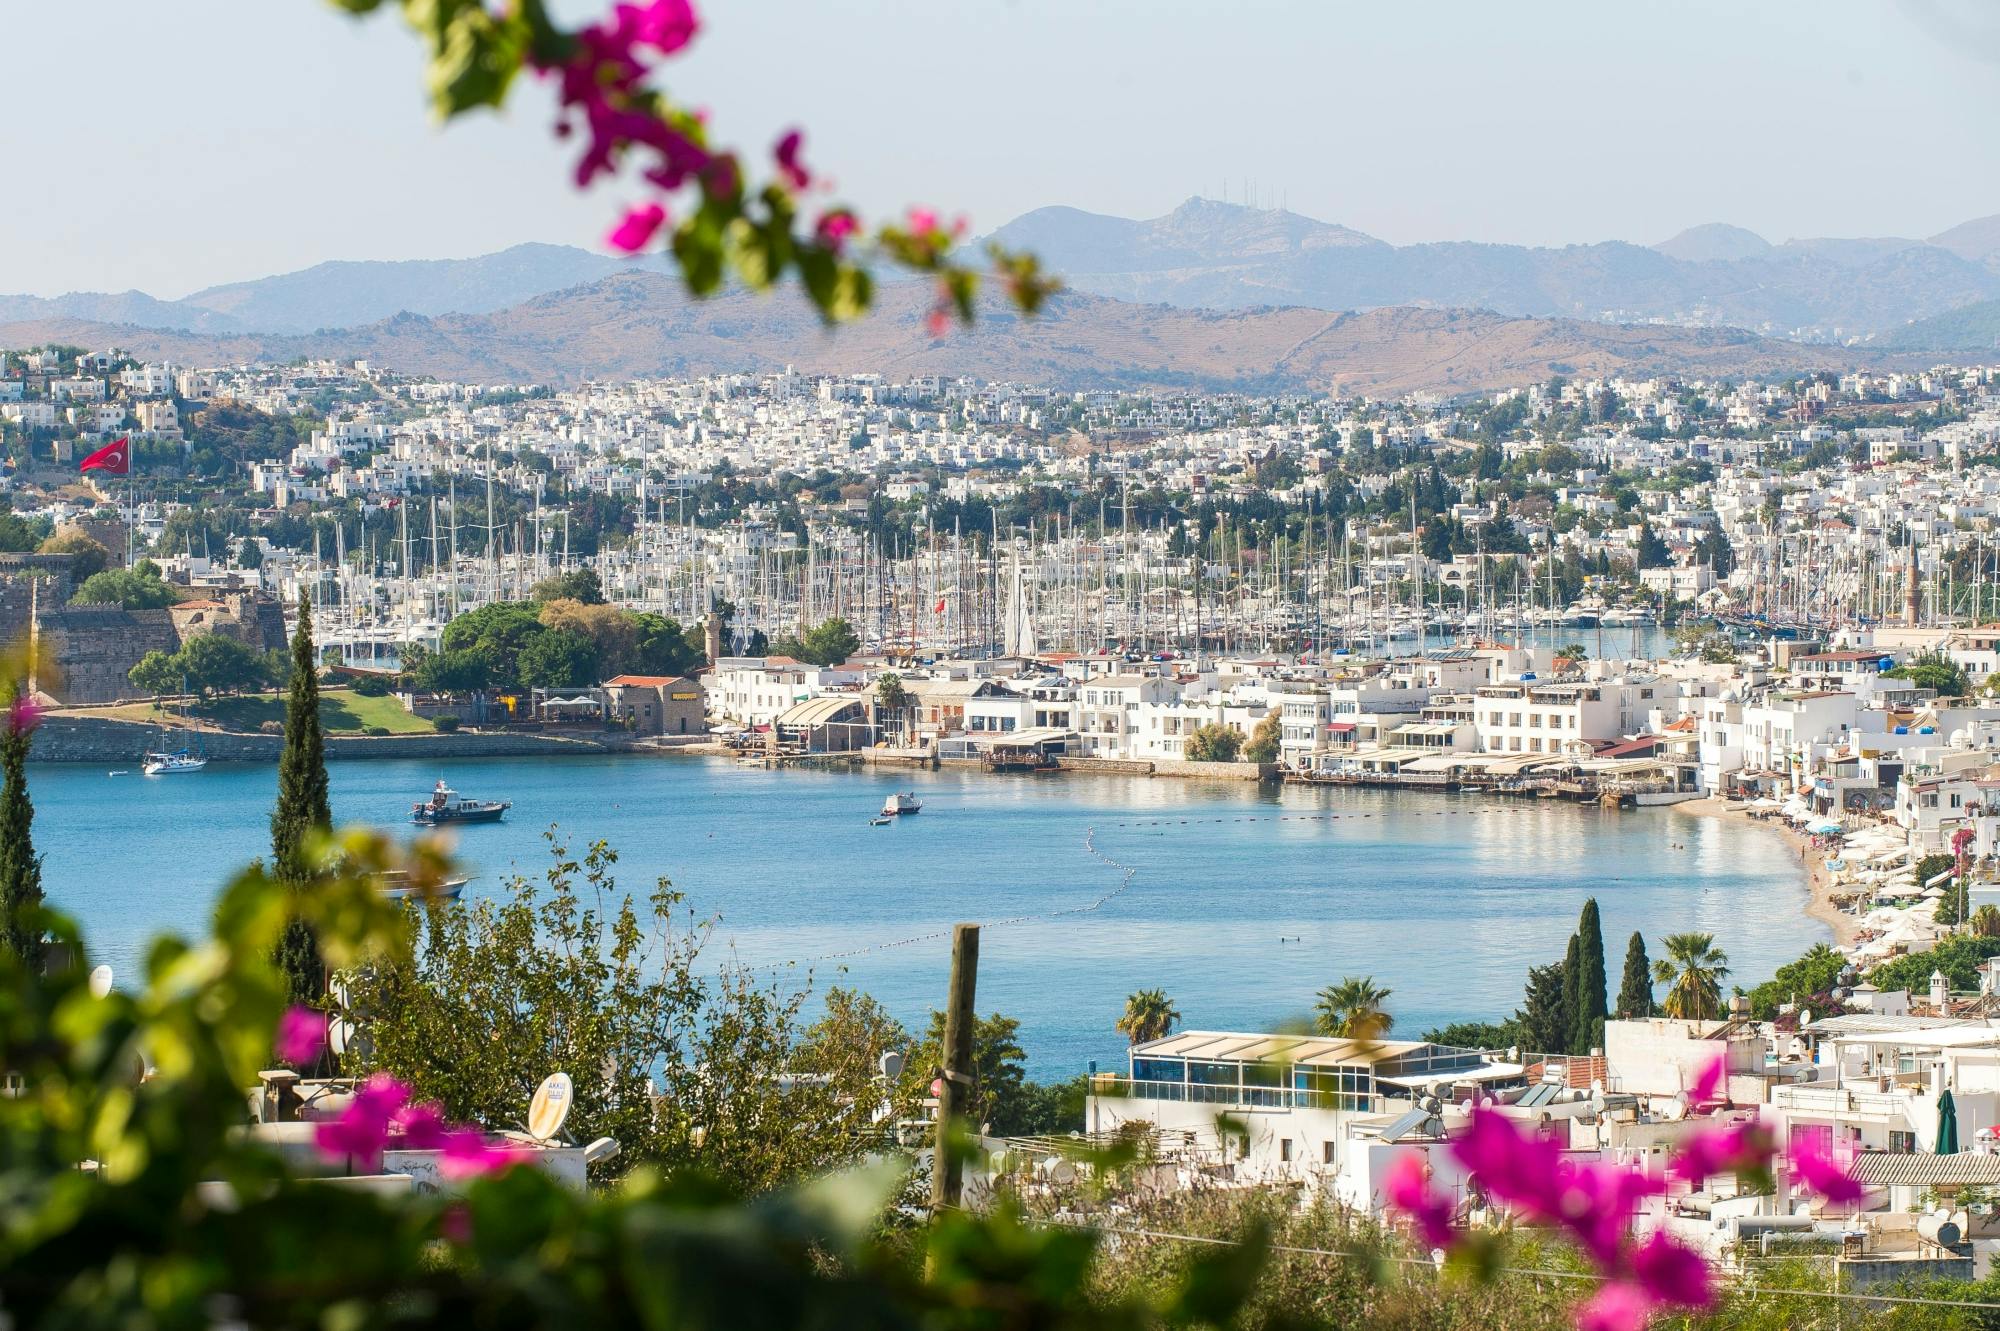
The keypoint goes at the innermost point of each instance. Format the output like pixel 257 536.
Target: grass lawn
pixel 340 712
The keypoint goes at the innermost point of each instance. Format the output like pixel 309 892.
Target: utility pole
pixel 954 1082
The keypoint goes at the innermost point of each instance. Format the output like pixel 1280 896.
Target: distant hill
pixel 1977 241
pixel 1714 241
pixel 1967 330
pixel 1224 256
pixel 340 294
pixel 641 323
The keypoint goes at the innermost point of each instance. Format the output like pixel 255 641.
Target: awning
pixel 1878 1169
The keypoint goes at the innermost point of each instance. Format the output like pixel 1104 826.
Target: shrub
pixel 376 732
pixel 444 725
pixel 371 686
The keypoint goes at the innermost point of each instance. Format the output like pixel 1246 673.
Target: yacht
pixel 903 801
pixel 171 764
pixel 445 806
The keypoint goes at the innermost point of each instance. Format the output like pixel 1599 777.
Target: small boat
pixel 903 801
pixel 445 806
pixel 880 820
pixel 169 764
pixel 395 885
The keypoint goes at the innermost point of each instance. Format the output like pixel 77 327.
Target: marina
pixel 799 885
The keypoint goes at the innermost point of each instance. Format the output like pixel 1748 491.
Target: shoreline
pixel 1819 882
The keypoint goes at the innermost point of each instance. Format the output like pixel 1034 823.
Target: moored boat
pixel 445 806
pixel 903 801
pixel 170 764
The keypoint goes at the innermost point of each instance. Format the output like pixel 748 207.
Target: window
pixel 1285 1149
pixel 1326 1153
pixel 1900 1143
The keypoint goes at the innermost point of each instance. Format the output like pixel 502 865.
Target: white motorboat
pixel 903 801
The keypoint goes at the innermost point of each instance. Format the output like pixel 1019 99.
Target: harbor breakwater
pixel 104 740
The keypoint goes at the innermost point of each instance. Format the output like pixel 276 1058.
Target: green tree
pixel 1958 956
pixel 19 534
pixel 1572 994
pixel 20 866
pixel 218 663
pixel 1213 743
pixel 1587 1033
pixel 1652 551
pixel 466 670
pixel 1693 970
pixel 130 588
pixel 157 673
pixel 1149 1015
pixel 1635 987
pixel 88 557
pixel 827 643
pixel 1932 670
pixel 1475 1035
pixel 558 659
pixel 1265 739
pixel 302 810
pixel 578 584
pixel 1353 1009
pixel 1542 1021
pixel 999 1077
pixel 250 553
pixel 1817 972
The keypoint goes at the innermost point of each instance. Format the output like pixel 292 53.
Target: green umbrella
pixel 1947 1138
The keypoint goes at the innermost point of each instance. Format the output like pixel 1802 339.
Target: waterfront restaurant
pixel 1308 1107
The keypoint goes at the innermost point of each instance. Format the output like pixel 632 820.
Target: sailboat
pixel 171 762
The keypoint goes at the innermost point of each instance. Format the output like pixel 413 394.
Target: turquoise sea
pixel 1241 903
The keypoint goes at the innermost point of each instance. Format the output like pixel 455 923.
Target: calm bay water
pixel 1446 899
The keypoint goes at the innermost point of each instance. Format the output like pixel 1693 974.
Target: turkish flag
pixel 115 457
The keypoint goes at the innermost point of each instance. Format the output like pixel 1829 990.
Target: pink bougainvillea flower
pixel 834 228
pixel 1814 1167
pixel 789 165
pixel 455 1224
pixel 421 1127
pixel 921 221
pixel 1618 1305
pixel 1671 1272
pixel 1745 1146
pixel 637 228
pixel 23 714
pixel 301 1035
pixel 1706 1083
pixel 1407 1186
pixel 1527 1171
pixel 466 1153
pixel 939 322
pixel 361 1133
pixel 665 25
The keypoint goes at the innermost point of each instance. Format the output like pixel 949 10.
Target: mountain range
pixel 1209 255
pixel 640 323
pixel 1211 294
pixel 1222 256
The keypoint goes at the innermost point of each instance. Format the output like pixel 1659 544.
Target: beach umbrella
pixel 1947 1138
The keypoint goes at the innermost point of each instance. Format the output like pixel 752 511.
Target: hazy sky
pixel 170 144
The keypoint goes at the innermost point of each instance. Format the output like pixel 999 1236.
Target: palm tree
pixel 1352 1009
pixel 1149 1015
pixel 1693 970
pixel 1986 922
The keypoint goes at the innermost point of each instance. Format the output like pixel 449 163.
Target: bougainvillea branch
pixel 717 221
pixel 1595 1203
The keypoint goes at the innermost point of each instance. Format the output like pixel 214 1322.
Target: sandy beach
pixel 1819 881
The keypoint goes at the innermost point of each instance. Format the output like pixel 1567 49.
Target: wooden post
pixel 955 1080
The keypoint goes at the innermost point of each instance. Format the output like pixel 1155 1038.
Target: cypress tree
pixel 1587 1032
pixel 1540 1020
pixel 1572 998
pixel 20 866
pixel 302 807
pixel 1635 990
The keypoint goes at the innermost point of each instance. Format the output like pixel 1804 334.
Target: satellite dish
pixel 337 989
pixel 549 1110
pixel 1676 1109
pixel 892 1064
pixel 100 982
pixel 340 1033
